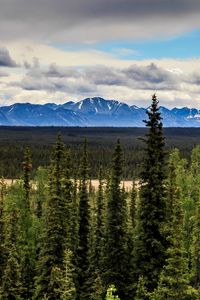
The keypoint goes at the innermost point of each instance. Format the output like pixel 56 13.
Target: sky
pixel 63 50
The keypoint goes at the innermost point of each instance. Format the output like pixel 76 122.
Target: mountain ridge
pixel 91 112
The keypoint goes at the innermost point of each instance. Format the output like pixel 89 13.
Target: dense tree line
pixel 101 142
pixel 62 239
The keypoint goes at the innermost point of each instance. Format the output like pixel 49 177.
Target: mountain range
pixel 92 112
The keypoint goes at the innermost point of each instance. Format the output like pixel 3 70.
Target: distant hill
pixel 92 112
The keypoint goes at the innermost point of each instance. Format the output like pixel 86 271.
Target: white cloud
pixel 176 82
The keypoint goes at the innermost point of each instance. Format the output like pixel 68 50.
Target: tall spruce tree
pixel 96 248
pixel 68 197
pixel 174 279
pixel 196 249
pixel 11 285
pixel 116 256
pixel 84 229
pixel 99 228
pixel 26 239
pixel 2 196
pixel 54 237
pixel 150 243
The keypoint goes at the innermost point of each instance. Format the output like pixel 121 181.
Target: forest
pixel 101 142
pixel 62 239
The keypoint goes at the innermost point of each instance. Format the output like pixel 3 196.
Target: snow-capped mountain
pixel 92 112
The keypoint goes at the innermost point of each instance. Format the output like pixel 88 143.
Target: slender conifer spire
pixel 84 229
pixel 150 244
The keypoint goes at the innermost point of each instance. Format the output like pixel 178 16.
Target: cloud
pixel 89 21
pixel 93 79
pixel 175 81
pixel 5 59
pixel 4 74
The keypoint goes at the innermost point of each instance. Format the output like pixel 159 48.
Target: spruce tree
pixel 116 256
pixel 11 286
pixel 75 220
pixel 64 278
pixel 171 187
pixel 174 278
pixel 27 166
pixel 84 229
pixel 196 249
pixel 54 236
pixel 141 292
pixel 96 247
pixel 133 205
pixel 41 190
pixel 2 197
pixel 99 230
pixel 110 294
pixel 150 243
pixel 26 240
pixel 68 197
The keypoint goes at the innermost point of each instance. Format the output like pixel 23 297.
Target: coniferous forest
pixel 60 238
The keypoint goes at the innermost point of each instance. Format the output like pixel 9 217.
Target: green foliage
pixel 97 224
pixel 174 278
pixel 116 256
pixel 11 285
pixel 64 278
pixel 196 248
pixel 2 197
pixel 101 142
pixel 41 179
pixel 76 240
pixel 141 292
pixel 54 236
pixel 150 243
pixel 97 289
pixel 84 228
pixel 110 295
pixel 133 207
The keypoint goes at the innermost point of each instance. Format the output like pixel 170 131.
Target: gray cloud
pixel 3 74
pixel 89 79
pixel 78 20
pixel 193 78
pixel 5 59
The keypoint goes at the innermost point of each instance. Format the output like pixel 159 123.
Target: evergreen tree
pixel 191 194
pixel 141 292
pixel 133 205
pixel 109 295
pixel 26 240
pixel 84 229
pixel 99 230
pixel 53 243
pixel 171 183
pixel 174 279
pixel 27 166
pixel 64 278
pixel 116 256
pixel 11 287
pixel 41 193
pixel 74 221
pixel 68 197
pixel 196 249
pixel 96 247
pixel 2 196
pixel 97 288
pixel 150 243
